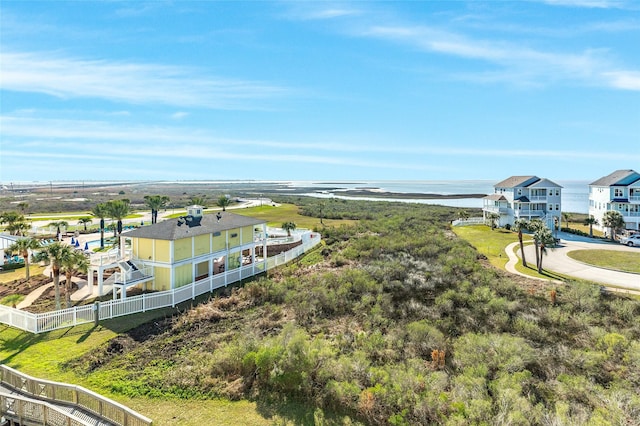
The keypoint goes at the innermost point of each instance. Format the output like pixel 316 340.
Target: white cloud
pixel 331 13
pixel 83 137
pixel 628 80
pixel 515 63
pixel 135 83
pixel 591 4
pixel 179 115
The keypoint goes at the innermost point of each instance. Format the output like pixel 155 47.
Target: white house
pixel 525 197
pixel 618 191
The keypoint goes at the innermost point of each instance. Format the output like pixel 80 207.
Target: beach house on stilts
pixel 525 197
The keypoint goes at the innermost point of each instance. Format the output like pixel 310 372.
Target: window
pixel 550 206
pixel 618 192
pixel 557 192
pixel 557 206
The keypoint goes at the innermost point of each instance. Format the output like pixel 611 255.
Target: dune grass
pixel 619 260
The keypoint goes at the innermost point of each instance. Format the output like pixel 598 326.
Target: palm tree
pixel 118 210
pixel 71 264
pixel 613 220
pixel 84 221
pixel 591 221
pixel 22 246
pixel 58 225
pixel 535 226
pixel 198 200
pixel 155 203
pixel 56 253
pixel 544 238
pixel 567 218
pixel 23 206
pixel 521 225
pixel 16 222
pixel 100 211
pixel 223 201
pixel 492 217
pixel 289 226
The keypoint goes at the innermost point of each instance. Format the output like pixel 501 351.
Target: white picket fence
pixel 48 321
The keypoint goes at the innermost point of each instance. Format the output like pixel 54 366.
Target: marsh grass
pixel 275 216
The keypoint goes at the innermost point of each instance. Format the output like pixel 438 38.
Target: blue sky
pixel 318 90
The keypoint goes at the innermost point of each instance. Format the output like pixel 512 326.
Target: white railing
pixel 529 212
pixel 469 221
pixel 63 393
pixel 109 257
pixel 31 411
pixel 48 321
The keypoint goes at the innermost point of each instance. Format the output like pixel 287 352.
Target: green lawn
pixel 491 243
pixel 71 217
pixel 7 276
pixel 619 260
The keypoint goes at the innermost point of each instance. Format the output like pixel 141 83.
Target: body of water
pixel 575 194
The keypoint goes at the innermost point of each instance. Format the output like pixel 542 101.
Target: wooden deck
pixel 29 401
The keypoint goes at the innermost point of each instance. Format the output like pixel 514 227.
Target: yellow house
pixel 177 252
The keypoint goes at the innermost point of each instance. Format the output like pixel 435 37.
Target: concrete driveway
pixel 557 260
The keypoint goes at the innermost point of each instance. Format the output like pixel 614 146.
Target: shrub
pixel 11 266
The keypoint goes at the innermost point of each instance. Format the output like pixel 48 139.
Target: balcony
pixel 496 209
pixel 530 213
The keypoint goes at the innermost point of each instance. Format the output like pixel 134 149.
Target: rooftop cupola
pixel 195 211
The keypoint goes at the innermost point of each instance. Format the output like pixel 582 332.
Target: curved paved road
pixel 557 260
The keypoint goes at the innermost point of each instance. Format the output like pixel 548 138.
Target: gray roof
pixel 544 183
pixel 495 197
pixel 189 226
pixel 515 181
pixel 618 178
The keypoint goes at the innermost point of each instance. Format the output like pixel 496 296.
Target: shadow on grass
pixel 18 344
pixel 299 413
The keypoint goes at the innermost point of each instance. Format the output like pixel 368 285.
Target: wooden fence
pixel 48 321
pixel 42 396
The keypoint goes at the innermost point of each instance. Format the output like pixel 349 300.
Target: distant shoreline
pixel 372 192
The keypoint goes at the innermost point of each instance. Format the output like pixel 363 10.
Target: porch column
pixel 264 245
pixel 90 281
pixel 100 280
